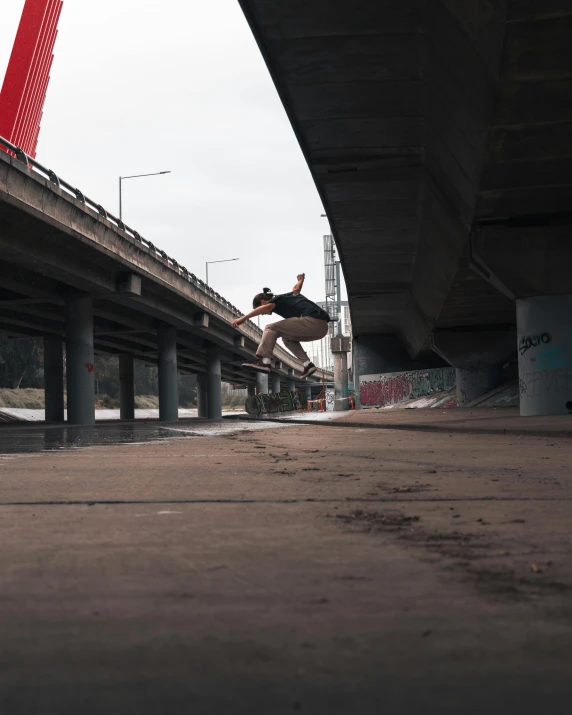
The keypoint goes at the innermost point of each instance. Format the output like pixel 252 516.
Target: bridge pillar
pixel 202 394
pixel 54 378
pixel 80 359
pixel 340 349
pixel 475 381
pixel 168 387
pixel 478 358
pixel 291 384
pixel 545 354
pixel 261 383
pixel 126 387
pixel 214 388
pixel 251 390
pixel 274 382
pixel 308 389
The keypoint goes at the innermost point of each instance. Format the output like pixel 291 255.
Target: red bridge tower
pixel 26 81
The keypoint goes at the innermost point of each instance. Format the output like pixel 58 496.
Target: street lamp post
pixel 134 176
pixel 226 260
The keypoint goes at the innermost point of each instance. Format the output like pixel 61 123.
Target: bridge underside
pixel 438 135
pixel 70 273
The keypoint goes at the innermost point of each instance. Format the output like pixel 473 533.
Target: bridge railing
pixel 98 209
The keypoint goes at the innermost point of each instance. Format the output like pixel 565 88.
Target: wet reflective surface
pixel 30 438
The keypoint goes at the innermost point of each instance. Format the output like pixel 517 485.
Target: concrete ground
pixel 302 568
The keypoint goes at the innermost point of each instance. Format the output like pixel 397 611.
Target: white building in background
pixel 320 352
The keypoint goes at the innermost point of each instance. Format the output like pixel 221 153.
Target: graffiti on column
pixel 389 388
pixel 285 401
pixel 533 341
pixel 545 367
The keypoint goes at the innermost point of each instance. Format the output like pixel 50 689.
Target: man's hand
pixel 238 321
pixel 299 283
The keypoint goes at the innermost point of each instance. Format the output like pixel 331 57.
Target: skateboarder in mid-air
pixel 304 321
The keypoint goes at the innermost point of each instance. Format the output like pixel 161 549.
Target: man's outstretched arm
pixel 261 310
pixel 298 287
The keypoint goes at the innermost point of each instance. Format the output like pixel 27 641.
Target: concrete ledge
pixel 483 421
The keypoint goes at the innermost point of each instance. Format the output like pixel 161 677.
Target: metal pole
pixel 339 298
pixel 135 176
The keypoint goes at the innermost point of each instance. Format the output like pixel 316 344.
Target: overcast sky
pixel 139 86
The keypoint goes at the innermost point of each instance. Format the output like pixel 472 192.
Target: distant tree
pixel 21 363
pixel 146 379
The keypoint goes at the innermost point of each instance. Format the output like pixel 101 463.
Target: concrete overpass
pixel 72 273
pixel 438 136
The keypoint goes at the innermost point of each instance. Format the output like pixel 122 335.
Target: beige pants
pixel 292 331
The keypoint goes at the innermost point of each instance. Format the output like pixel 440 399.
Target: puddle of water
pixel 25 439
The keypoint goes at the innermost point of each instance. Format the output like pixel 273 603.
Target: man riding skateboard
pixel 304 321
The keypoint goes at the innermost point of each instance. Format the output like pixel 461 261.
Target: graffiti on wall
pixel 392 387
pixel 271 403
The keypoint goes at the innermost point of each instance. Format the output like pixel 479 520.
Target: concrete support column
pixel 308 389
pixel 545 354
pixel 214 388
pixel 168 387
pixel 478 357
pixel 251 390
pixel 126 387
pixel 202 401
pixel 340 349
pixel 261 383
pixel 473 382
pixel 291 384
pixel 80 359
pixel 274 382
pixel 54 378
pixel 341 401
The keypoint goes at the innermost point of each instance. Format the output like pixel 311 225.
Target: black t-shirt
pixel 294 305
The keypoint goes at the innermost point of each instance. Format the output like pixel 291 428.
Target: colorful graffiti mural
pixel 389 388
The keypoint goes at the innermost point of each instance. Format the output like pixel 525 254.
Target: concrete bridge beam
pixel 54 378
pixel 126 387
pixel 545 354
pixel 168 387
pixel 80 359
pixel 214 387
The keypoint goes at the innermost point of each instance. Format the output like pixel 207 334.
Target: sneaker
pixel 309 370
pixel 258 365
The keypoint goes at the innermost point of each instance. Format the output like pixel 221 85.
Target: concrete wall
pixel 388 388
